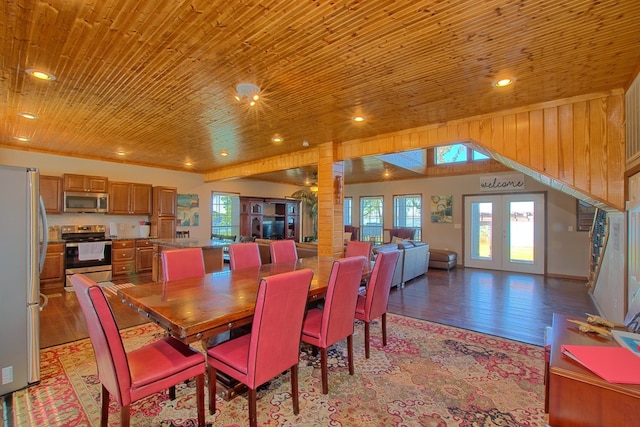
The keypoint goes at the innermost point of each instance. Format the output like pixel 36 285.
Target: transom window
pixel 371 219
pixel 457 153
pixel 407 212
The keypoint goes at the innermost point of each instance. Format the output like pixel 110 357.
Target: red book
pixel 613 364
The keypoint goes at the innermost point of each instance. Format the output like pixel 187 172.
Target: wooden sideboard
pixel 580 398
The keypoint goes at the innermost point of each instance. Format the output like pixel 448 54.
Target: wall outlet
pixel 7 375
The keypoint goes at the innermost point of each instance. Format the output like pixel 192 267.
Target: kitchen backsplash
pixel 126 225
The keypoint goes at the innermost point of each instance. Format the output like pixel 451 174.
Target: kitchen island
pixel 212 250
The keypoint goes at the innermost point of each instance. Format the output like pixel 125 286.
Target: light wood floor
pixel 510 305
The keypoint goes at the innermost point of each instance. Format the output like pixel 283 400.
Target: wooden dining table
pixel 199 308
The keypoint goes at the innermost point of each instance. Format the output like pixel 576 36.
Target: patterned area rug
pixel 427 375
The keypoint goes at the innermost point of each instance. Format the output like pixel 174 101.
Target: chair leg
pixel 350 353
pixel 294 389
pixel 211 372
pixel 366 340
pixel 384 329
pixel 253 417
pixel 104 412
pixel 125 415
pixel 325 374
pixel 172 392
pixel 200 399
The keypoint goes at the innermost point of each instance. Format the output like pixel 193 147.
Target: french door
pixel 505 232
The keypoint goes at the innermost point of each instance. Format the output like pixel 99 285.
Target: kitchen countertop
pixel 192 243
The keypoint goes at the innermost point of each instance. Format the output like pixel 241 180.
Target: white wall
pixel 609 293
pixel 186 183
pixel 567 251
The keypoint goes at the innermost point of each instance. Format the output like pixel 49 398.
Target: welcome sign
pixel 502 182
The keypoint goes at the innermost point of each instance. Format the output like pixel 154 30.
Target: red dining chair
pixel 374 303
pixel 355 248
pixel 129 377
pixel 334 322
pixel 244 255
pixel 272 346
pixel 283 251
pixel 182 263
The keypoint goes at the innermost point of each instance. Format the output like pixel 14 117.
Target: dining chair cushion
pixel 244 255
pixel 355 248
pixel 283 251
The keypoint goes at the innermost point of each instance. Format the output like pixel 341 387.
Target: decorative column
pixel 330 201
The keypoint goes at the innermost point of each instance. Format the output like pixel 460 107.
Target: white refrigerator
pixel 22 225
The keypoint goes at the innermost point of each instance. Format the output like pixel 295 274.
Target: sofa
pixel 412 262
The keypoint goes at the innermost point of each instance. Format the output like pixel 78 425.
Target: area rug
pixel 427 375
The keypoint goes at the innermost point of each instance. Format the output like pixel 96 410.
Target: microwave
pixel 86 202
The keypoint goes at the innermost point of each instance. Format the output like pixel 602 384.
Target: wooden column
pixel 330 201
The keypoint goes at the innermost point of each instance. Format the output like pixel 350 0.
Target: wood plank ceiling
pixel 153 82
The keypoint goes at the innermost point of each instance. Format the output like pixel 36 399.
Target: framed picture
pixel 442 208
pixel 187 214
pixel 584 216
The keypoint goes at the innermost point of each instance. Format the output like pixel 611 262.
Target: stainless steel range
pixel 87 251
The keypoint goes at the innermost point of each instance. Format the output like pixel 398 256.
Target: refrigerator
pixel 23 245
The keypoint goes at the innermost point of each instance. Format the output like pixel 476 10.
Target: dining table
pixel 202 307
pixel 198 309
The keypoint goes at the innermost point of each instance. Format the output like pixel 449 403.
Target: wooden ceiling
pixel 156 80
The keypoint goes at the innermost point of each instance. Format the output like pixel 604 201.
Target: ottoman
pixel 443 259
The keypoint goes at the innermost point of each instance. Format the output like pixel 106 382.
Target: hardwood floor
pixel 511 305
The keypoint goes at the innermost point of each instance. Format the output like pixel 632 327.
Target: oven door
pixel 79 255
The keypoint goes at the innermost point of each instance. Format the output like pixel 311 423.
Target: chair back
pixel 244 255
pixel 277 325
pixel 380 284
pixel 356 248
pixel 283 251
pixel 110 355
pixel 182 263
pixel 341 298
pixel 403 233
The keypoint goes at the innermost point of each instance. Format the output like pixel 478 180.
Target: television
pixel 273 230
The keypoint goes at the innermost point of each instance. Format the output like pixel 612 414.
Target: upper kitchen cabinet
pixel 129 198
pixel 165 201
pixel 93 184
pixel 51 192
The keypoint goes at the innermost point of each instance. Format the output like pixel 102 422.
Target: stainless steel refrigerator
pixel 23 242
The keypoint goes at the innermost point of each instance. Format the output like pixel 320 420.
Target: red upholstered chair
pixel 273 346
pixel 283 251
pixel 244 255
pixel 355 248
pixel 374 303
pixel 324 327
pixel 182 263
pixel 129 377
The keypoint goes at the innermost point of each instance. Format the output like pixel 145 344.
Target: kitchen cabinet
pixel 145 254
pixel 163 215
pixel 123 257
pixel 88 183
pixel 51 192
pixel 52 275
pixel 128 198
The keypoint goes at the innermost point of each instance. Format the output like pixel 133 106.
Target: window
pixel 457 153
pixel 407 212
pixel 347 210
pixel 371 217
pixel 225 214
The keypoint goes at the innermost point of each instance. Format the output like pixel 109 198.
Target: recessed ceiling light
pixel 121 153
pixel 503 82
pixel 188 164
pixel 277 138
pixel 29 116
pixel 22 138
pixel 42 75
pixel 224 153
pixel 305 143
pixel 358 119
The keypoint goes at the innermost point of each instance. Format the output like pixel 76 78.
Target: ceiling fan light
pixel 314 188
pixel 247 93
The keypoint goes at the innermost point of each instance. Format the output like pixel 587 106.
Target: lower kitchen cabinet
pixel 52 275
pixel 145 255
pixel 123 257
